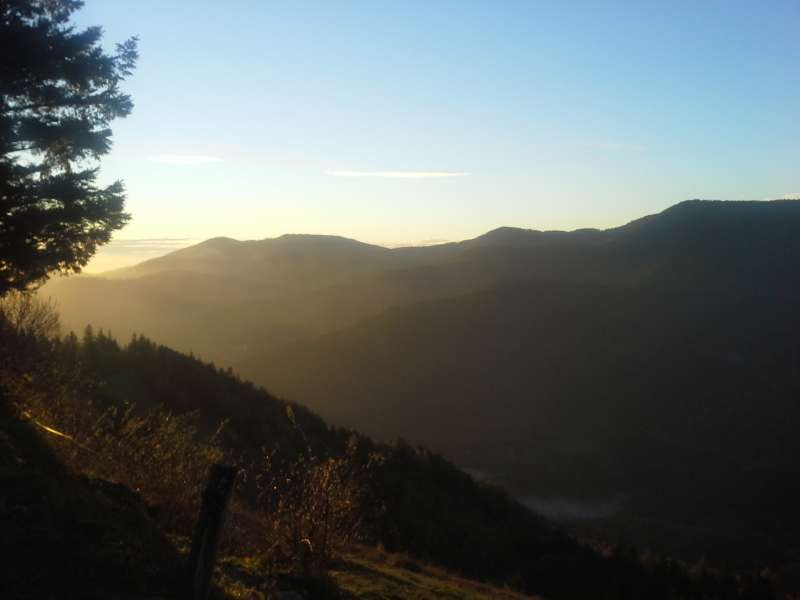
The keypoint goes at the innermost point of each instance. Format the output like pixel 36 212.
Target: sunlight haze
pixel 382 300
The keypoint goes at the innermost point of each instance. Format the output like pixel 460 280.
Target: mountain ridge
pixel 677 215
pixel 592 350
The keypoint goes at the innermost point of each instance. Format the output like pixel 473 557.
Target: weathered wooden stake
pixel 208 531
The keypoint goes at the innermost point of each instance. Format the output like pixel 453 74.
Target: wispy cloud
pixel 398 174
pixel 612 147
pixel 184 159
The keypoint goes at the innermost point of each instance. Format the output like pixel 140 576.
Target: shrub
pixel 315 507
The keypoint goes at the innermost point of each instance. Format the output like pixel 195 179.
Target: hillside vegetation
pixel 140 424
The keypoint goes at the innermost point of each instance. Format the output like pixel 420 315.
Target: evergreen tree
pixel 59 91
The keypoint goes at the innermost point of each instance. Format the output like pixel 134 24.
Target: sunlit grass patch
pixel 370 580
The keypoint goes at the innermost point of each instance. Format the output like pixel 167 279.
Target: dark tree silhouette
pixel 58 93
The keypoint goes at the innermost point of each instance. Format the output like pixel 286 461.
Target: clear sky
pixel 406 122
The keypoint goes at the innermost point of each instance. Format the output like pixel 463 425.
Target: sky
pixel 402 123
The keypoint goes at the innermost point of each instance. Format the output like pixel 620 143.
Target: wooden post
pixel 208 531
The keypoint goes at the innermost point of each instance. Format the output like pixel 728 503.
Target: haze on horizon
pixel 443 121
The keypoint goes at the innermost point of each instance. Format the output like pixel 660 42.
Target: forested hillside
pixel 145 418
pixel 648 403
pixel 610 370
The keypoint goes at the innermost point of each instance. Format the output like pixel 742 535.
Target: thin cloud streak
pixel 398 174
pixel 185 159
pixel 613 147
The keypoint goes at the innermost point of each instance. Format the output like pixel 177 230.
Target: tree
pixel 59 91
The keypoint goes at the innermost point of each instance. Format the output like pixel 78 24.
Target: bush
pixel 315 507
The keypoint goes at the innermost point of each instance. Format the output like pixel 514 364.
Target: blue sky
pixel 402 122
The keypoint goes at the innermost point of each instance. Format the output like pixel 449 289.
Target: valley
pixel 633 363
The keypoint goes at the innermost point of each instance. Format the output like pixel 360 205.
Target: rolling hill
pixel 650 369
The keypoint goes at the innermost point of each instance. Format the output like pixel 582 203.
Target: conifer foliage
pixel 59 91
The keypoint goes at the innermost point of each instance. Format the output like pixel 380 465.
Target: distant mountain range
pixel 653 368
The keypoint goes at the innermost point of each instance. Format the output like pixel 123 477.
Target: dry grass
pixel 393 577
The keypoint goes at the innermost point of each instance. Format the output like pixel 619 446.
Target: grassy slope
pixel 371 580
pixel 363 575
pixel 68 536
